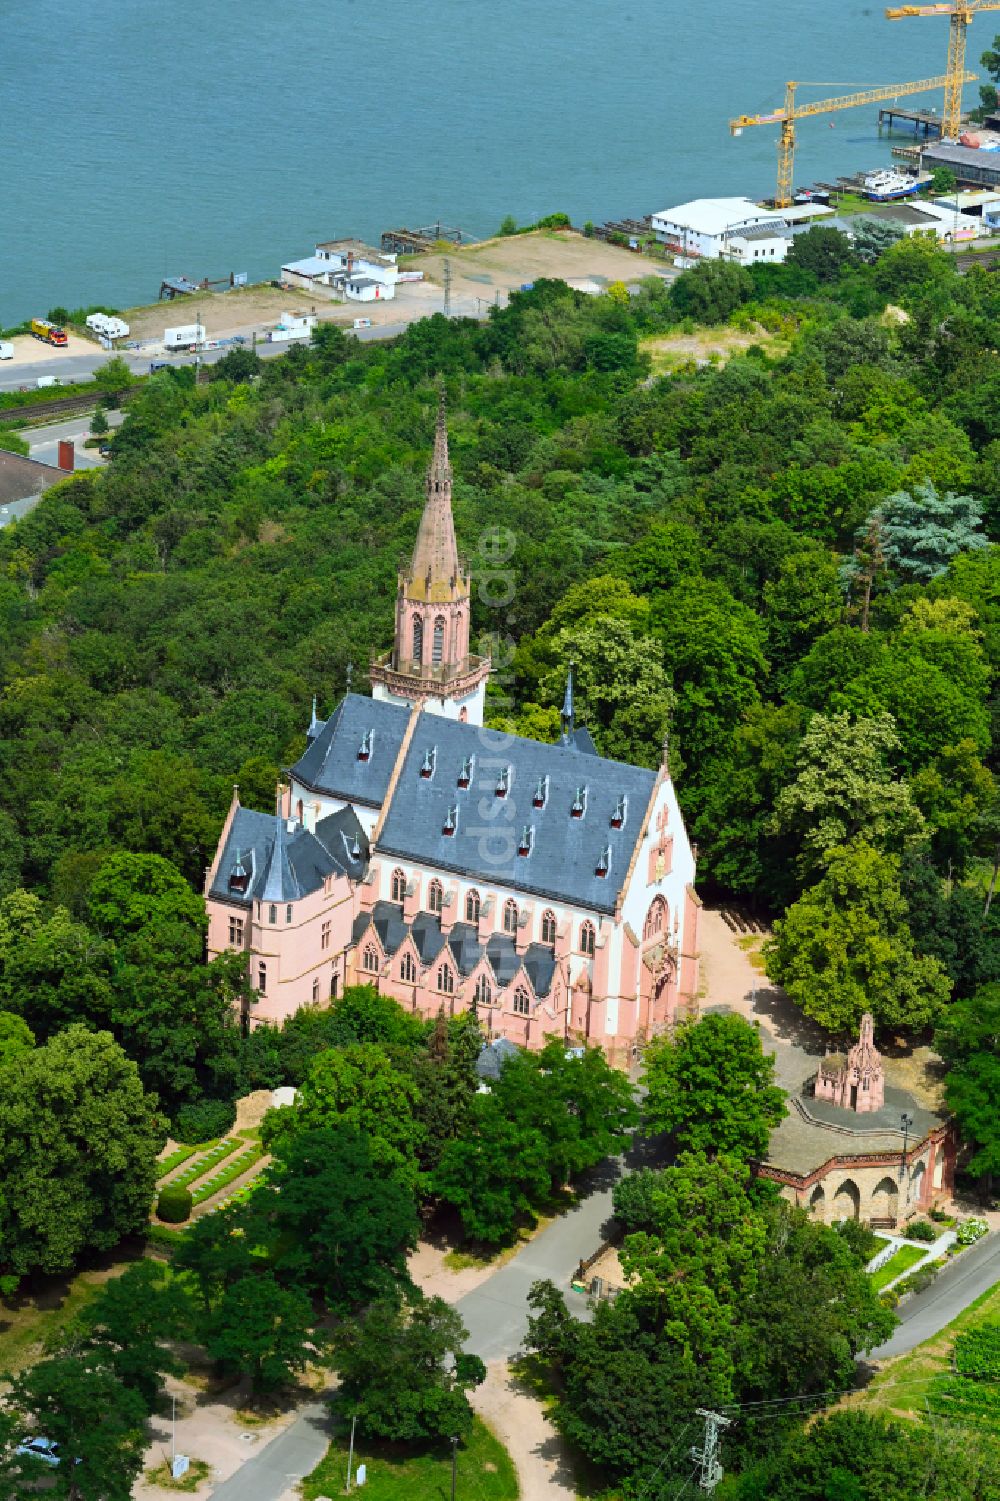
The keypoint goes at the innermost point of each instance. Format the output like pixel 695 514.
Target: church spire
pixel 435 572
pixel 566 716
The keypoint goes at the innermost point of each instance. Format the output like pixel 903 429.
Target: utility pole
pixel 447 288
pixel 350 1452
pixel 708 1455
pixel 905 1122
pixel 454 1453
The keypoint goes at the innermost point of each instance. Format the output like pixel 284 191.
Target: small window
pixel 236 932
pixel 579 805
pixel 437 652
pixel 262 978
pixel 418 639
pixel 526 840
pixel 435 896
pixel 365 748
pixel 324 936
pixel 446 979
pixel 472 905
pixel 334 986
pixel 503 782
pixel 398 885
pixel 655 918
pixel 588 939
pixel 620 814
pixel 522 1001
pixel 541 793
pixel 429 762
pixel 272 913
pixel 315 991
pixel 468 768
pixel 369 959
pixel 548 927
pixel 288 912
pixel 510 917
pixel 407 968
pixel 450 822
pixel 484 991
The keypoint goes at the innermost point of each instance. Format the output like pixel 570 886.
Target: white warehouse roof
pixel 714 216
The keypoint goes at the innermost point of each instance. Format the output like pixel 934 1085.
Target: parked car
pixel 6 350
pixel 45 1449
pixel 104 449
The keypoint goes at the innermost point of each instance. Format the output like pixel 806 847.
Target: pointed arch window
pixel 437 650
pixel 484 992
pixel 446 979
pixel 435 896
pixel 655 918
pixel 510 915
pixel 472 905
pixel 588 939
pixel 407 968
pixel 369 959
pixel 548 927
pixel 522 1002
pixel 418 639
pixel 398 885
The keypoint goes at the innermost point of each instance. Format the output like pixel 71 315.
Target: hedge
pixel 174 1204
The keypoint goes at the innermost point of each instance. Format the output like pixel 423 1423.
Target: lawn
pixel 901 1262
pixel 907 1385
pixel 484 1472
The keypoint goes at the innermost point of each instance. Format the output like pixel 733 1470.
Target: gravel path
pixel 522 1425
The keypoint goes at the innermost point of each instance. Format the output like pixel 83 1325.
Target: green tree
pixel 128 1323
pixel 78 1145
pixel 358 1087
pixel 220 1250
pixel 16 1037
pixel 100 1460
pixel 114 376
pixel 237 365
pixel 403 1372
pixel 873 237
pixel 342 1226
pixel 921 531
pixel 711 1087
pixel 712 291
pixel 622 693
pixel 262 1330
pixel 825 252
pixel 968 1038
pixel 143 898
pixel 844 789
pixel 99 423
pixel 53 970
pixel 845 948
pixel 496 1174
pixel 943 180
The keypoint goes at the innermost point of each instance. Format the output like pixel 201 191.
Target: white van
pixel 362 323
pixel 6 350
pixel 47 380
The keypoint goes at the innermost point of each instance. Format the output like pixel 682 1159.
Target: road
pixel 44 441
pixel 957 1285
pixel 284 1461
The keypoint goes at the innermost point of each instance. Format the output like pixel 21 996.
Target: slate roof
pixel 425 929
pixel 493 1057
pixel 330 764
pixel 565 851
pixel 284 866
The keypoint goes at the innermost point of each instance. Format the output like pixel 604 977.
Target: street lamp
pixel 905 1122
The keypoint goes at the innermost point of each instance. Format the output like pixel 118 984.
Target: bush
pixel 174 1204
pixel 919 1281
pixel 969 1231
pixel 922 1231
pixel 204 1120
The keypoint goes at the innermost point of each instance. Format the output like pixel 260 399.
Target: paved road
pixel 496 1312
pixel 44 441
pixel 958 1284
pixel 284 1461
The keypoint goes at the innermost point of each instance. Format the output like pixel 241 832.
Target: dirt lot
pixel 504 264
pixel 709 346
pixel 31 351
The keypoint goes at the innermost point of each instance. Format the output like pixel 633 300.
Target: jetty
pixel 423 241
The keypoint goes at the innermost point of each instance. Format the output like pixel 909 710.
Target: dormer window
pixel 526 841
pixel 503 782
pixel 621 812
pixel 365 748
pixel 239 878
pixel 579 807
pixel 465 775
pixel 450 822
pixel 429 762
pixel 604 862
pixel 541 796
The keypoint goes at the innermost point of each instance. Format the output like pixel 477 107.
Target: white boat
pixel 886 184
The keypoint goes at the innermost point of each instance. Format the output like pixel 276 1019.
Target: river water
pixel 141 140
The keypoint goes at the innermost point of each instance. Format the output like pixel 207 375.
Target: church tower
pixel 430 662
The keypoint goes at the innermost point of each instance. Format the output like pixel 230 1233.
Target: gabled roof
pixel 285 865
pixel 331 764
pixel 466 950
pixel 565 851
pixel 493 1057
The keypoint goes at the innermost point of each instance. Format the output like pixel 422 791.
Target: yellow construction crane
pixel 791 112
pixel 960 14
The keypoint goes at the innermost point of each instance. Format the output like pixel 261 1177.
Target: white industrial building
pixel 711 228
pixel 345 269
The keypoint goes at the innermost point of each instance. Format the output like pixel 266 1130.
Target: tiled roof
pixel 466 950
pixel 331 763
pixel 565 852
pixel 284 866
pixel 493 1057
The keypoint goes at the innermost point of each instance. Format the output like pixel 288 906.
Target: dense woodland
pixel 786 562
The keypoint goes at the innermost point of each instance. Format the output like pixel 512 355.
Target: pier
pixel 423 241
pixel 926 121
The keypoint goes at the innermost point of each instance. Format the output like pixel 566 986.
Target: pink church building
pixel 455 866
